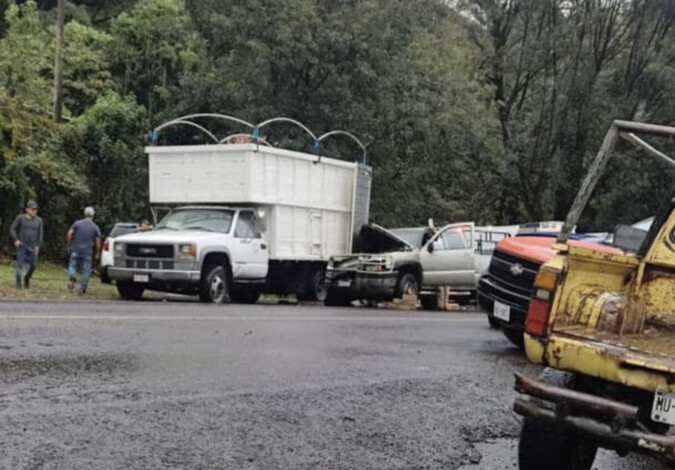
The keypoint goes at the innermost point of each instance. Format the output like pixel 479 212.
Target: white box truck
pixel 245 219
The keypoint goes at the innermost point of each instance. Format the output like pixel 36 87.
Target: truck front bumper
pixel 363 285
pixel 611 423
pixel 154 276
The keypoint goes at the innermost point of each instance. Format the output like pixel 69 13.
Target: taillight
pixel 106 245
pixel 540 305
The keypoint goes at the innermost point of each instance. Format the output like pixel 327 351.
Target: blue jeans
pixel 85 261
pixel 25 255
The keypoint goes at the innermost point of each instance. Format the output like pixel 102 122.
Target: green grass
pixel 50 282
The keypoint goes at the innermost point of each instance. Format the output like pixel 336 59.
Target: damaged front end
pixel 362 276
pixel 611 424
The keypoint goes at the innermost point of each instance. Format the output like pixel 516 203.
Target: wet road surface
pixel 157 385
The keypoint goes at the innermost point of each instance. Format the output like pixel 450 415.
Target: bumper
pixel 154 276
pixel 363 285
pixel 613 424
pixel 489 291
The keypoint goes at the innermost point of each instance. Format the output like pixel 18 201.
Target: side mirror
pixel 629 238
pixel 430 247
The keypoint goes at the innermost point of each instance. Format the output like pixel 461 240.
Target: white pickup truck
pixel 246 219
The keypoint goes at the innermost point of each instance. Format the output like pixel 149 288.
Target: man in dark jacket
pixel 27 233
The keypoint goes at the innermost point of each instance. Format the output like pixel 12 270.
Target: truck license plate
pixel 502 311
pixel 141 278
pixel 344 283
pixel 663 408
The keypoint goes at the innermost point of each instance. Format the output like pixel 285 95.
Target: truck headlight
pixel 118 249
pixel 187 252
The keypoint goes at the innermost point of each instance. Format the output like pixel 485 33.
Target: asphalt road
pixel 168 385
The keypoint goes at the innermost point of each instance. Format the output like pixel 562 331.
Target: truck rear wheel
pixel 130 291
pixel 245 295
pixel 551 445
pixel 315 289
pixel 214 285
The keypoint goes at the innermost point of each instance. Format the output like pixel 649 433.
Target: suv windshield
pixel 210 220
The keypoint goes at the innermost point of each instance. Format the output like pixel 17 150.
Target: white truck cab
pixel 215 252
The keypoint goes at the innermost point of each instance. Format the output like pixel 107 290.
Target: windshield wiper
pixel 166 228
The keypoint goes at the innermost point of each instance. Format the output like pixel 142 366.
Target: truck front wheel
pixel 407 285
pixel 551 445
pixel 130 291
pixel 214 284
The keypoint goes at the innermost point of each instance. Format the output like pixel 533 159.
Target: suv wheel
pixel 214 284
pixel 407 285
pixel 130 291
pixel 551 445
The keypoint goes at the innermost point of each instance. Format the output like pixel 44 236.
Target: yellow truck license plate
pixel 663 408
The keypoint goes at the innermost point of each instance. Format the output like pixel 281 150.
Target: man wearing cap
pixel 83 237
pixel 26 231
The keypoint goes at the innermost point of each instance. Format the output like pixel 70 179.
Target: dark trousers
pixel 25 255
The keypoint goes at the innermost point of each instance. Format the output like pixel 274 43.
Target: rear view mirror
pixel 629 238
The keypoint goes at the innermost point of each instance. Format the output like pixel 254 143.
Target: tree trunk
pixel 58 65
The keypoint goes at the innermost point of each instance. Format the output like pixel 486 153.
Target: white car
pixel 107 259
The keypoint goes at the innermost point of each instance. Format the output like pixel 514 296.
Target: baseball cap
pixel 31 205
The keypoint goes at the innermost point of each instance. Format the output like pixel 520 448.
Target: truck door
pixel 448 258
pixel 252 253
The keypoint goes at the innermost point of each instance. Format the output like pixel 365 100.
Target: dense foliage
pixel 485 110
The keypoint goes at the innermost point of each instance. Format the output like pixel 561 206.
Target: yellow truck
pixel 604 324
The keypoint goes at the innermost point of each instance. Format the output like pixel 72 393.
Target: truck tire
pixel 551 445
pixel 130 291
pixel 315 289
pixel 517 337
pixel 335 298
pixel 407 284
pixel 245 295
pixel 214 285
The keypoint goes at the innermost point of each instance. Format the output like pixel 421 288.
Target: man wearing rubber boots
pixel 27 233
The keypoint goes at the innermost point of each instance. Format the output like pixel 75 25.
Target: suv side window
pixel 245 227
pixel 452 239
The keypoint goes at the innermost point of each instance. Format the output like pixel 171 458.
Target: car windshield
pixel 412 236
pixel 209 220
pixel 122 229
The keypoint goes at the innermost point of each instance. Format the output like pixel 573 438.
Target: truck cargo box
pixel 314 205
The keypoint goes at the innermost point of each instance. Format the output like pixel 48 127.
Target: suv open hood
pixel 376 239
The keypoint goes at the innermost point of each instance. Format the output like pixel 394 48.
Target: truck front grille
pixel 147 264
pixel 136 250
pixel 512 273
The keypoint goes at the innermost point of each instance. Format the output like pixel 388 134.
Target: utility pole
pixel 58 65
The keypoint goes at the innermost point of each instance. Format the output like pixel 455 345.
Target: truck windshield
pixel 413 236
pixel 209 220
